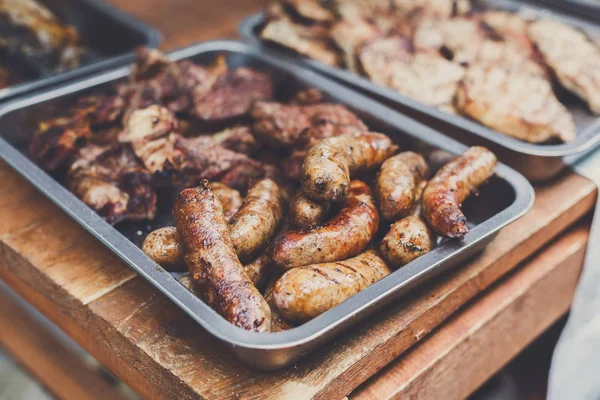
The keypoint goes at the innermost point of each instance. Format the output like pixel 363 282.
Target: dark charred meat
pixel 32 35
pixel 282 126
pixel 111 182
pixel 196 159
pixel 232 95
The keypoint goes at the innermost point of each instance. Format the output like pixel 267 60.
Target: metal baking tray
pixel 111 35
pixel 589 9
pixel 505 198
pixel 538 162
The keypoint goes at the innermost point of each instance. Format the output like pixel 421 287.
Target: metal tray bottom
pixel 506 197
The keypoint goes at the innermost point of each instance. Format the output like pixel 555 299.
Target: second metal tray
pixel 108 32
pixel 537 162
pixel 505 198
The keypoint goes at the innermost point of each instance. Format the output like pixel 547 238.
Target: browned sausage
pixel 329 164
pixel 278 323
pixel 345 235
pixel 397 183
pixel 408 238
pixel 452 184
pixel 210 256
pixel 163 246
pixel 230 199
pixel 257 220
pixel 304 212
pixel 303 293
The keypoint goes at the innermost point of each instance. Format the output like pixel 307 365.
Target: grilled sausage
pixel 278 323
pixel 329 164
pixel 304 212
pixel 303 293
pixel 452 184
pixel 397 183
pixel 230 199
pixel 345 235
pixel 210 256
pixel 163 246
pixel 408 238
pixel 257 220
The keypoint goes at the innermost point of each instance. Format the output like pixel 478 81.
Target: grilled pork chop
pixel 516 103
pixel 572 57
pixel 310 41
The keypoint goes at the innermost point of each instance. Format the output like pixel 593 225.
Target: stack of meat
pixel 284 211
pixel 494 66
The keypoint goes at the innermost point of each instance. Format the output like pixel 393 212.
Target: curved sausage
pixel 329 164
pixel 397 184
pixel 303 293
pixel 230 199
pixel 452 184
pixel 345 235
pixel 408 238
pixel 256 222
pixel 304 212
pixel 163 246
pixel 210 256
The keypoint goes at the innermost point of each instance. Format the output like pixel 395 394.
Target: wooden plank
pixel 477 342
pixel 52 363
pixel 160 352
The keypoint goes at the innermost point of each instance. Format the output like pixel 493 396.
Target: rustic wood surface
pixel 52 363
pixel 155 348
pixel 479 340
pixel 160 352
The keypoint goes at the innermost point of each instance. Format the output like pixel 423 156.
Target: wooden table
pixel 446 339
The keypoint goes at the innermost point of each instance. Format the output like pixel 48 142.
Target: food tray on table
pixel 108 35
pixel 537 162
pixel 506 196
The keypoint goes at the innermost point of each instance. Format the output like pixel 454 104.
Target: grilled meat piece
pixel 310 41
pixel 353 9
pixel 310 9
pixel 111 182
pixel 157 80
pixel 281 125
pixel 349 35
pixel 196 159
pixel 461 37
pixel 148 130
pixel 428 78
pixel 572 57
pixel 232 95
pixel 515 103
pixel 238 139
pixel 379 57
pixel 438 9
pixel 32 35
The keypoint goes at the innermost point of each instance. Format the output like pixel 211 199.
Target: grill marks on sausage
pixel 211 259
pixel 306 292
pixel 343 236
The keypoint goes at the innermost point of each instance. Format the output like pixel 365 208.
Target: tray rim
pixel 193 306
pixel 152 38
pixel 588 138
